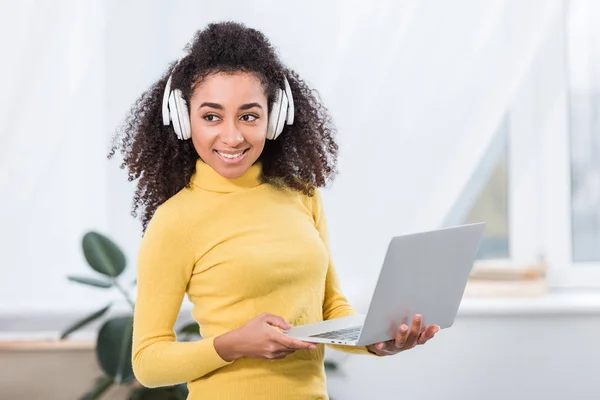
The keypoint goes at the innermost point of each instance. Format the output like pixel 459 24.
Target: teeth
pixel 236 155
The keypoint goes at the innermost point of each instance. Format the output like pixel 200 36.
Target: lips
pixel 231 157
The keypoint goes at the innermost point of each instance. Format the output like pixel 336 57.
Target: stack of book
pixel 499 278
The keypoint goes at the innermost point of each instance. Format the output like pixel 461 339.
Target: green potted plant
pixel 114 338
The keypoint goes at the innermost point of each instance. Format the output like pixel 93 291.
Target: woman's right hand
pixel 259 339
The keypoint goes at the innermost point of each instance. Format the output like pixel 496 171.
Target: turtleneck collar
pixel 209 179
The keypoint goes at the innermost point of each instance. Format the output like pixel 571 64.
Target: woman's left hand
pixel 405 339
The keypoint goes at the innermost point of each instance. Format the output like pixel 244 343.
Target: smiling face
pixel 229 119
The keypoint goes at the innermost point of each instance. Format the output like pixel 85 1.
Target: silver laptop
pixel 423 273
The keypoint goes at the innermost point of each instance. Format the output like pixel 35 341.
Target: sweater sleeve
pixel 165 263
pixel 335 304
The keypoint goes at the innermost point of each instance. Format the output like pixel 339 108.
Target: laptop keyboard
pixel 348 334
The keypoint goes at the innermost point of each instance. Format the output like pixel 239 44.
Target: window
pixel 491 203
pixel 583 69
pixel 541 193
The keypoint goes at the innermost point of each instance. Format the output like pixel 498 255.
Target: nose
pixel 231 135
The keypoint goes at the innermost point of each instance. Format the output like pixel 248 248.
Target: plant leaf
pixel 114 347
pixel 331 366
pixel 190 329
pixel 183 391
pixel 90 281
pixel 102 385
pixel 161 393
pixel 103 255
pixel 83 322
pixel 189 332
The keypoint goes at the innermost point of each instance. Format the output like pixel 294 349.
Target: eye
pixel 211 117
pixel 249 117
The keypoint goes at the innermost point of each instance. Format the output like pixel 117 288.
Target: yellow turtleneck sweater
pixel 238 248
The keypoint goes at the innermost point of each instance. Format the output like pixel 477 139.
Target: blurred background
pixel 448 112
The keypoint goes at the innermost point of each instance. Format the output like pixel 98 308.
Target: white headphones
pixel 175 110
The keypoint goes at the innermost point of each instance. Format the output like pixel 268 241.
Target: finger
pixel 276 321
pixel 415 331
pixel 386 348
pixel 292 343
pixel 390 347
pixel 283 354
pixel 278 355
pixel 428 334
pixel 299 344
pixel 377 349
pixel 401 336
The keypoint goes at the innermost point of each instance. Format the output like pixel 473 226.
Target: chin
pixel 231 171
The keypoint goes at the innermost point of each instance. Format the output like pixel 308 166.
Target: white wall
pixel 506 357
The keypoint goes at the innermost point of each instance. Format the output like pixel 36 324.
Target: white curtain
pixel 51 149
pixel 416 87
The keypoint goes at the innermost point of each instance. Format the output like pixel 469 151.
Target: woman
pixel 230 148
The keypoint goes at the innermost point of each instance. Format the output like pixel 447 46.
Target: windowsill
pixel 558 302
pixel 549 302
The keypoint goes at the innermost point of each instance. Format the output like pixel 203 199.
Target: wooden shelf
pixel 24 345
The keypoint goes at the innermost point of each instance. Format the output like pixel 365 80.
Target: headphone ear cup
pixel 276 119
pixel 166 115
pixel 282 115
pixel 290 108
pixel 182 115
pixel 174 114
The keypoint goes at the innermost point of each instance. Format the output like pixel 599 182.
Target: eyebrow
pixel 220 107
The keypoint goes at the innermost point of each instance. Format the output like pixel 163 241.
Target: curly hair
pixel 302 158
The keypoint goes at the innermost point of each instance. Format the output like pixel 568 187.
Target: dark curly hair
pixel 302 158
